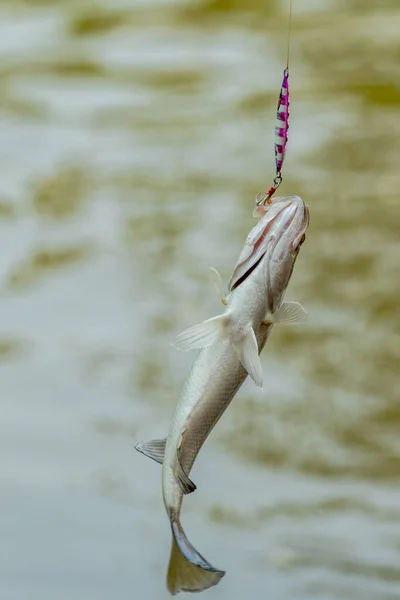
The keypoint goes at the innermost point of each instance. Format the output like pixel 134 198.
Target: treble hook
pixel 264 198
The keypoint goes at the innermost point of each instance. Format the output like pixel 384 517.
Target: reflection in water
pixel 135 137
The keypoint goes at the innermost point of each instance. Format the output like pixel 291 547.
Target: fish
pixel 229 345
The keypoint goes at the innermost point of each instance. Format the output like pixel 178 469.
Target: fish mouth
pixel 294 222
pixel 291 219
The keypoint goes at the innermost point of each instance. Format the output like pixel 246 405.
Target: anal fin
pixel 154 449
pixel 186 484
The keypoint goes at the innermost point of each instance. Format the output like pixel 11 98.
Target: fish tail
pixel 188 571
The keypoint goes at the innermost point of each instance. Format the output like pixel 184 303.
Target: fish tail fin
pixel 188 571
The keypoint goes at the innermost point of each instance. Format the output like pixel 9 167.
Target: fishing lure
pixel 281 128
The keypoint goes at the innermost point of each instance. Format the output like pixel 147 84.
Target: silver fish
pixel 230 346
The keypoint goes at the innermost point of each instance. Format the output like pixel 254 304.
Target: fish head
pixel 277 238
pixel 289 231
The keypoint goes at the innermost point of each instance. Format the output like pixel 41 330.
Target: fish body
pixel 213 381
pixel 230 345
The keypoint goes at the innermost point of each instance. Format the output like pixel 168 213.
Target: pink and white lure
pixel 281 130
pixel 282 123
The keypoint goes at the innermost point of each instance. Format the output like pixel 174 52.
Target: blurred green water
pixel 134 139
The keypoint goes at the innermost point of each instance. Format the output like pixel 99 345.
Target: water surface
pixel 134 137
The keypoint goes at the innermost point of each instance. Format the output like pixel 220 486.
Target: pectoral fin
pixel 154 449
pixel 202 335
pixel 186 484
pixel 288 312
pixel 247 348
pixel 217 281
